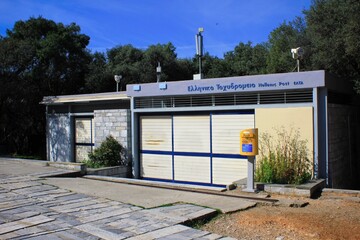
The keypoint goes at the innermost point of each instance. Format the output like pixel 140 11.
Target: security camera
pixel 297 53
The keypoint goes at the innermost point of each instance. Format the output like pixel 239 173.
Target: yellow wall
pixel 301 118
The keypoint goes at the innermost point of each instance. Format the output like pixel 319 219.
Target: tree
pixel 282 40
pixel 184 70
pixel 125 60
pixel 212 67
pixel 334 29
pixel 99 77
pixel 38 57
pixel 246 59
pixel 163 54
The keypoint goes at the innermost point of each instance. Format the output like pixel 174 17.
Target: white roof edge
pixel 53 100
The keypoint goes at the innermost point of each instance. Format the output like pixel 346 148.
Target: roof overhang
pixel 84 98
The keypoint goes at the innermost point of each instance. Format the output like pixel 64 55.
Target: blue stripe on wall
pixel 221 155
pixel 194 154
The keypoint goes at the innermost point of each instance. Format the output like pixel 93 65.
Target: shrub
pixel 110 153
pixel 284 160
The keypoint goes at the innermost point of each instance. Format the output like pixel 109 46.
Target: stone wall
pixel 59 138
pixel 344 142
pixel 114 122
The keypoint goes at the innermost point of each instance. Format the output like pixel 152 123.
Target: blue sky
pixel 111 23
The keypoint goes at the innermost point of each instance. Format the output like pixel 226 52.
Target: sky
pixel 141 23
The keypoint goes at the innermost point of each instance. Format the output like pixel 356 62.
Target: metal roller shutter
pixel 155 142
pixel 194 148
pixel 228 166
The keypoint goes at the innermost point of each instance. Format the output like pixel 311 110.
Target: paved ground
pixel 147 197
pixel 31 208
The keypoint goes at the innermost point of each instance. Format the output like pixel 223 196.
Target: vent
pixel 274 97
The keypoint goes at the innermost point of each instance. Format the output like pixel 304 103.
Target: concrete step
pixel 169 185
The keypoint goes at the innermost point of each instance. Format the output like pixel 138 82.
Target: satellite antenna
pixel 297 53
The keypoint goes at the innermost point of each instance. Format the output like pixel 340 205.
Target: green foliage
pixel 38 58
pixel 284 160
pixel 247 59
pixel 212 67
pixel 125 60
pixel 281 40
pixel 334 30
pixel 98 77
pixel 110 153
pixel 165 55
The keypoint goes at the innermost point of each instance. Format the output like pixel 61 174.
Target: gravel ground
pixel 332 216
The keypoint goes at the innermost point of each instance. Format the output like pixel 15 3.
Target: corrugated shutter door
pixel 155 140
pixel 226 129
pixel 192 133
pixel 192 148
pixel 192 169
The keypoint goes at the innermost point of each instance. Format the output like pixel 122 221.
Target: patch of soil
pixel 323 218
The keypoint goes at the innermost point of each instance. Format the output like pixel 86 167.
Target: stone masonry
pixel 115 122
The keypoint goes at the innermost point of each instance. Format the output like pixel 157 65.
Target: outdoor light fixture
pixel 297 53
pixel 117 80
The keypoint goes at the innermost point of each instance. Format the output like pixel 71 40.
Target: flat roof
pixel 84 98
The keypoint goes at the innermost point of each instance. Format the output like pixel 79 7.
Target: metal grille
pixel 274 97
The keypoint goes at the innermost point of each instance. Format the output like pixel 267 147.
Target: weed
pixel 283 159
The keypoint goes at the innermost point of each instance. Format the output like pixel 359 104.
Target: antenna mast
pixel 199 48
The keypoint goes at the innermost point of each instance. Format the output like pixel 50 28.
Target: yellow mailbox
pixel 249 142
